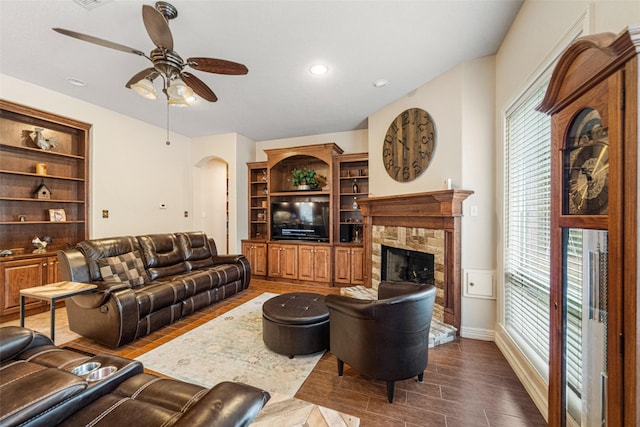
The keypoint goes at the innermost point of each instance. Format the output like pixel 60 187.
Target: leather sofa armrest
pixel 15 339
pixel 227 259
pixel 226 404
pixel 352 307
pixel 101 295
pixel 73 266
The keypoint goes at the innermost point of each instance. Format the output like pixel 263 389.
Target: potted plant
pixel 304 179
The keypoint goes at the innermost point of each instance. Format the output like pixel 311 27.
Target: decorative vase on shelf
pixel 355 203
pixel 355 186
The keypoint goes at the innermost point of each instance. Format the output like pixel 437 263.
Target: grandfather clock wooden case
pixel 593 102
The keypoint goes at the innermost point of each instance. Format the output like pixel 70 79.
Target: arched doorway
pixel 214 201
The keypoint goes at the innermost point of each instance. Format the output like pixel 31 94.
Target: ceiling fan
pixel 178 85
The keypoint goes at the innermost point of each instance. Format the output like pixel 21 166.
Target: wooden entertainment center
pixel 335 256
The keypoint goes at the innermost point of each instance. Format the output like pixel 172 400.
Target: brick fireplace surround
pixel 427 222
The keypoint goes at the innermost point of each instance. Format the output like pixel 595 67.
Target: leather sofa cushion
pixel 162 255
pixel 33 389
pixel 96 249
pixel 196 250
pixel 158 295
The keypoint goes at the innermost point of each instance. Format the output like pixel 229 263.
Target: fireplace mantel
pixel 438 210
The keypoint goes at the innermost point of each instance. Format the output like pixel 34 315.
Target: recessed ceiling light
pixel 379 83
pixel 76 82
pixel 319 69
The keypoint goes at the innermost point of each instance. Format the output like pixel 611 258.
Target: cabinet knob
pixel 44 264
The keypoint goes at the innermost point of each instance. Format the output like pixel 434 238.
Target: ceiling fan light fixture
pixel 179 89
pixel 318 69
pixel 178 102
pixel 144 87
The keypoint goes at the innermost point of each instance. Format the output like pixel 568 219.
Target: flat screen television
pixel 300 221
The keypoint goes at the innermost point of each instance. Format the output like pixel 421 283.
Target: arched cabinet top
pixel 585 63
pixel 324 152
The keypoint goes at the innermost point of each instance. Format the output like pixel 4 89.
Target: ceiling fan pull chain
pixel 168 142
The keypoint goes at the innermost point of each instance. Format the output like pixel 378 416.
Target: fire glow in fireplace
pixel 403 265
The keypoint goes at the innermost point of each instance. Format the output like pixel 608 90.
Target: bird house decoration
pixel 42 192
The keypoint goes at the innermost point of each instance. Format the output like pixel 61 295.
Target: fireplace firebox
pixel 404 265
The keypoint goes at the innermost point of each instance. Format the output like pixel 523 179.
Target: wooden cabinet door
pixel 290 262
pixel 322 264
pixel 305 254
pixel 283 261
pixel 256 253
pixel 20 274
pixel 315 264
pixel 342 265
pixel 357 266
pixel 275 260
pixel 259 254
pixel 52 270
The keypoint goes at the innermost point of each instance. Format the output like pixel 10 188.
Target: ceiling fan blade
pixel 101 42
pixel 199 87
pixel 218 66
pixel 150 73
pixel 157 27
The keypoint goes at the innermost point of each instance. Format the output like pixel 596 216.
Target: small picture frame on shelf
pixel 57 215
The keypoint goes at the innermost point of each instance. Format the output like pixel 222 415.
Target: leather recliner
pixel 386 339
pixel 41 385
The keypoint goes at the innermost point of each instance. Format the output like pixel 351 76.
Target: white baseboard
pixel 478 333
pixel 532 381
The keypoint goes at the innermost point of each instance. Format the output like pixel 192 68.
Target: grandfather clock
pixel 593 102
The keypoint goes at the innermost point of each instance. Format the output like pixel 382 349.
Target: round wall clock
pixel 586 159
pixel 409 145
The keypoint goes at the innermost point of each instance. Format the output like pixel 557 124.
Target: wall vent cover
pixel 91 4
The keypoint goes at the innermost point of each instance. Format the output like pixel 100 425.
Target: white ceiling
pixel 405 42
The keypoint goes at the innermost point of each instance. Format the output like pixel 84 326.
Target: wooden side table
pixel 52 293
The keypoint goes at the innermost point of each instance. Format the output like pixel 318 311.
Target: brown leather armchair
pixel 386 339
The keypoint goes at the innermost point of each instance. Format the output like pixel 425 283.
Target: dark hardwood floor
pixel 467 382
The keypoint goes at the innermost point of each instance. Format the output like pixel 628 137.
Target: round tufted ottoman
pixel 295 323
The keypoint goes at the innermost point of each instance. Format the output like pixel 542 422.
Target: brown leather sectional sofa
pixel 146 282
pixel 44 385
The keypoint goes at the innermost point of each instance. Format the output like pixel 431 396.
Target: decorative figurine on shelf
pixel 357 233
pixel 42 192
pixel 263 178
pixel 355 203
pixel 355 186
pixel 41 141
pixel 40 245
pixel 6 252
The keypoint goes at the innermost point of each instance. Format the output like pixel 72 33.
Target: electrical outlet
pixel 105 213
pixel 186 214
pixel 474 211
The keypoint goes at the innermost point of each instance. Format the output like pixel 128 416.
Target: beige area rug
pixel 230 348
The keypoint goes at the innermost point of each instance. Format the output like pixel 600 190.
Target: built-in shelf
pixel 64 170
pixel 38 151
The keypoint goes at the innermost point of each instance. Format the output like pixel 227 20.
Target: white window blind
pixel 528 242
pixel 527 227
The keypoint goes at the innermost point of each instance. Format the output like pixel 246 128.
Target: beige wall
pixel 133 171
pixel 461 102
pixel 351 142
